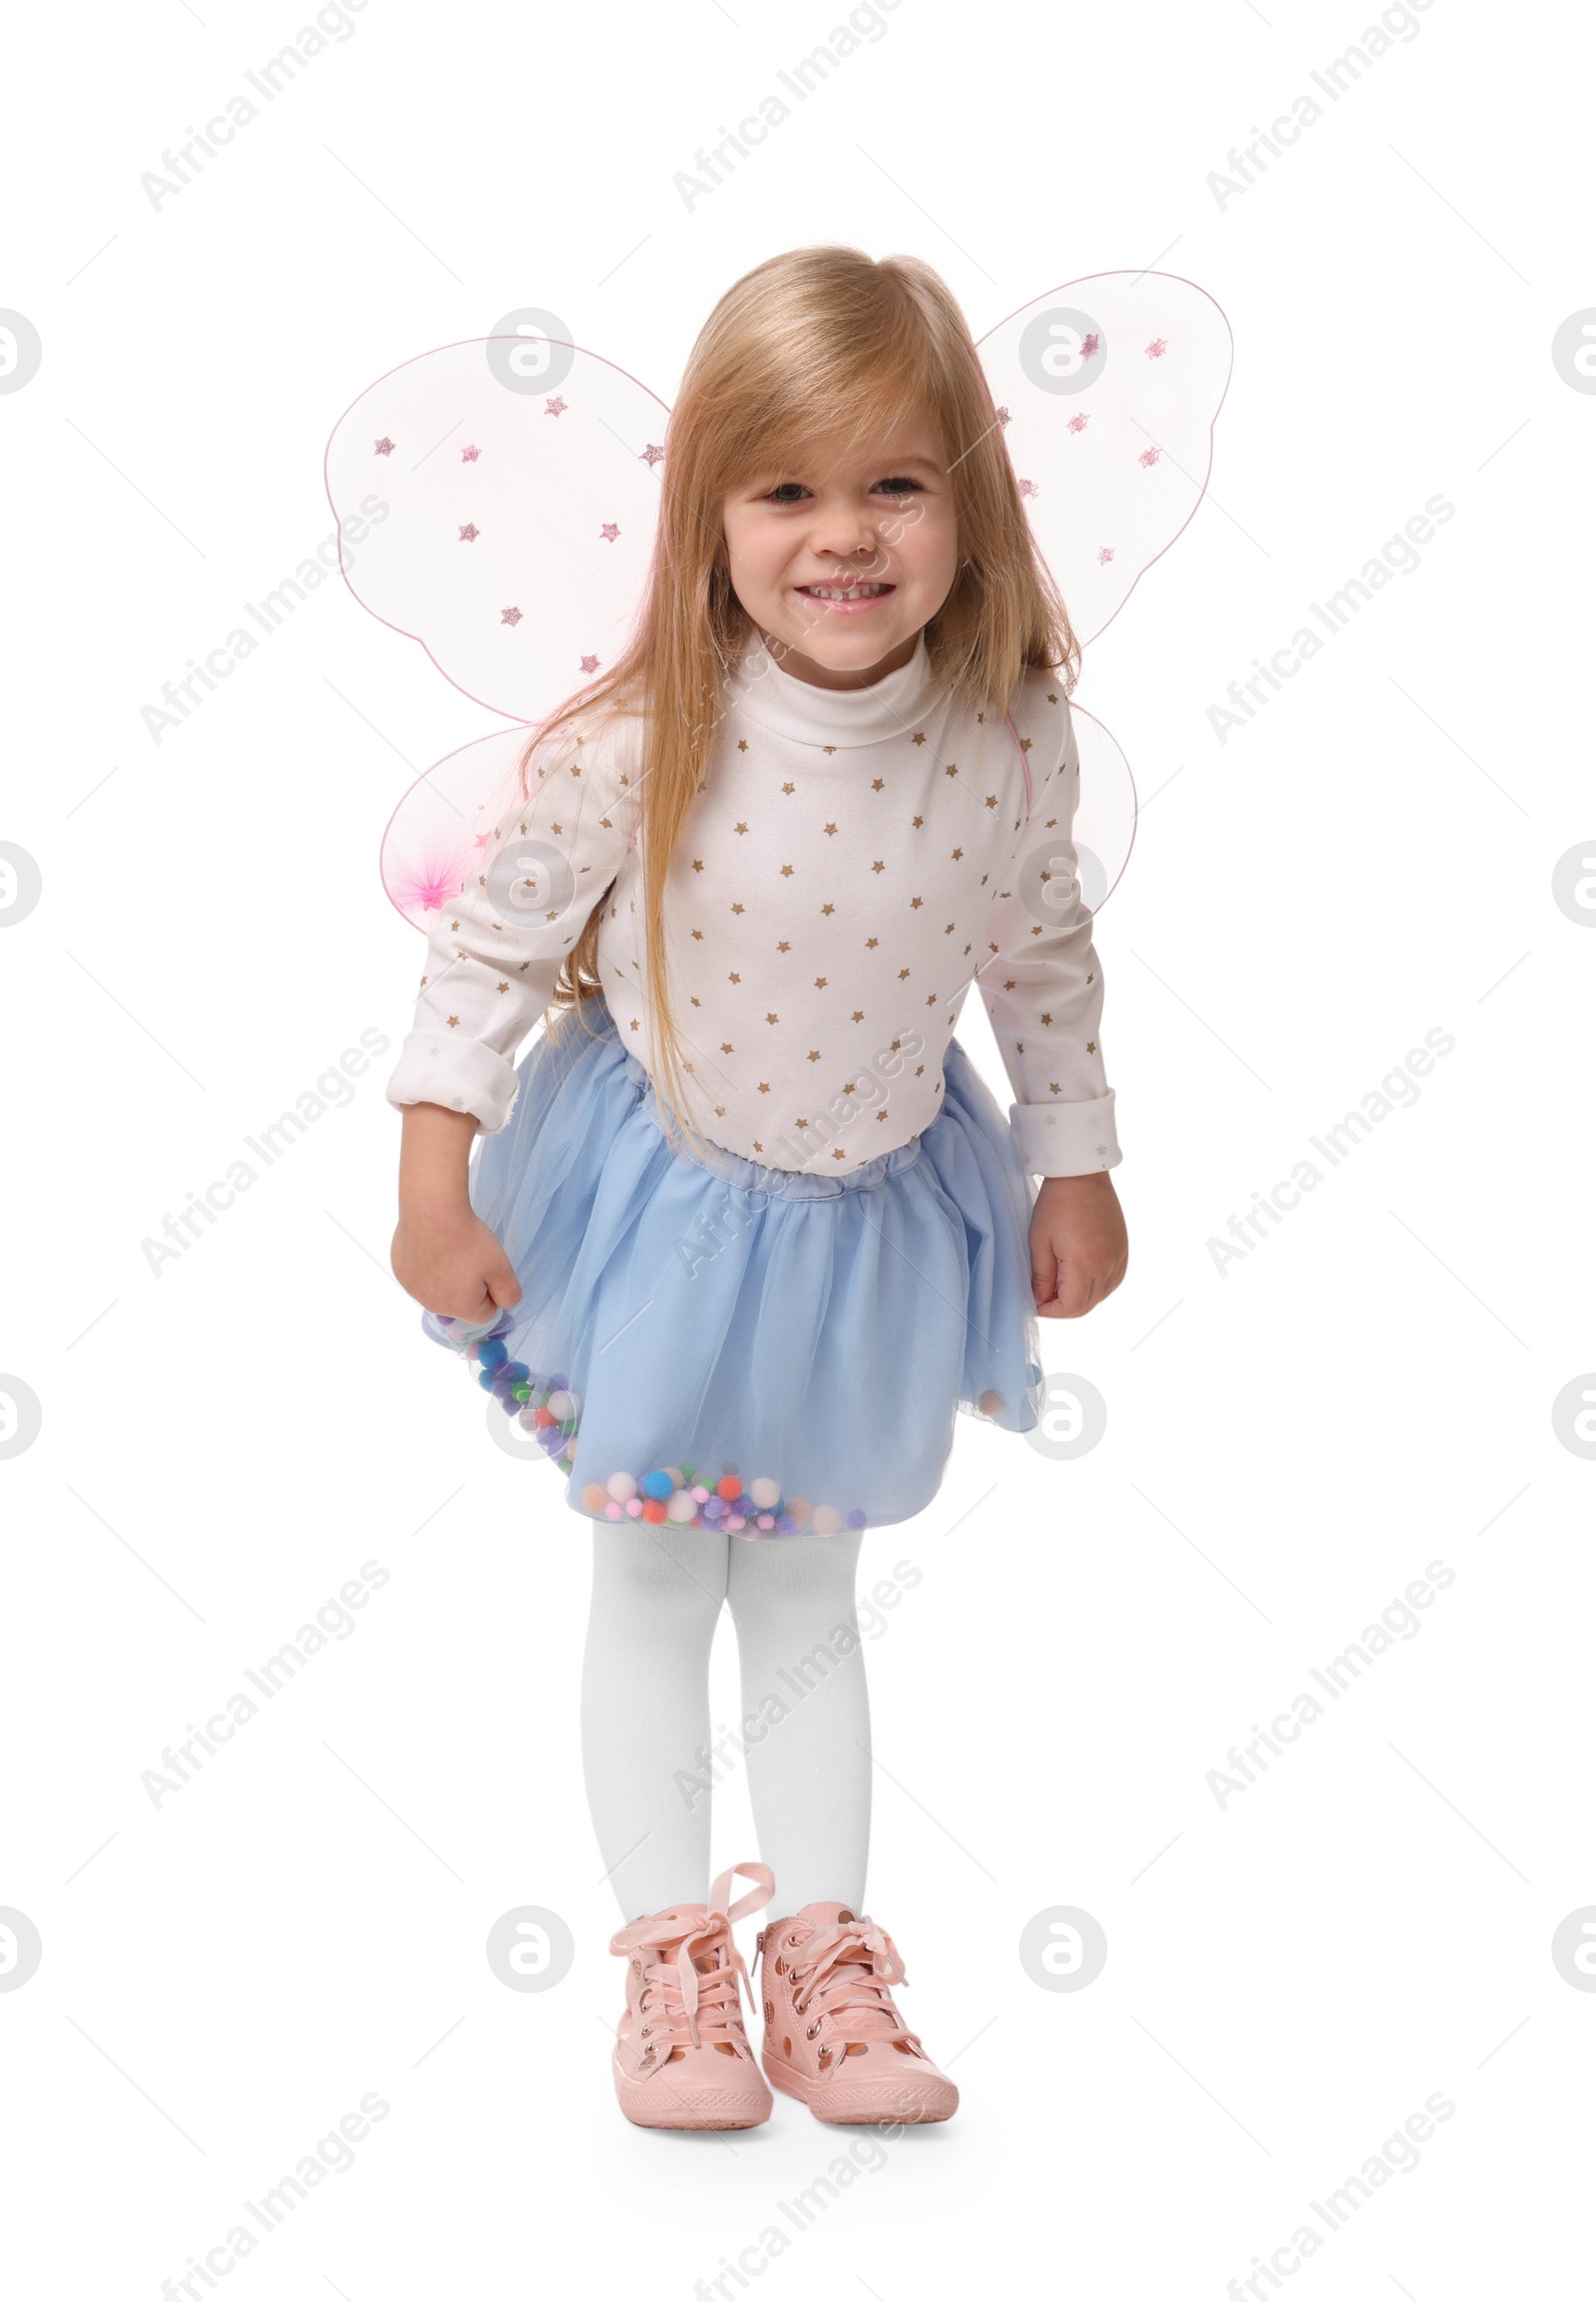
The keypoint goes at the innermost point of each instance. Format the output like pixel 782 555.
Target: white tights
pixel 657 1592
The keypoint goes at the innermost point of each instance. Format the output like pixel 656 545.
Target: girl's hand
pixel 443 1253
pixel 451 1262
pixel 1078 1249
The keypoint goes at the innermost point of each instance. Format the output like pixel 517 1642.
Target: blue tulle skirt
pixel 710 1341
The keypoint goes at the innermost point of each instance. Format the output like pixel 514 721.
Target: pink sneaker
pixel 682 2057
pixel 833 2037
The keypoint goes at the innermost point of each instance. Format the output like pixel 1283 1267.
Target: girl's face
pixel 844 556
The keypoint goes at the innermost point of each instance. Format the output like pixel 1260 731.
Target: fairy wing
pixel 496 502
pixel 1107 390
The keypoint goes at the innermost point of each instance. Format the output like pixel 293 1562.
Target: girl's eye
pixel 789 492
pixel 896 487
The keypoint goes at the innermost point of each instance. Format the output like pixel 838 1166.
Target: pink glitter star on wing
pixel 385 447
pixel 555 407
pixel 469 533
pixel 1148 458
pixel 652 456
pixel 609 531
pixel 469 454
pixel 510 615
pixel 590 663
pixel 1157 348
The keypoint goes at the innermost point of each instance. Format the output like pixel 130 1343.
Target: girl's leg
pixel 656 1594
pixel 809 1775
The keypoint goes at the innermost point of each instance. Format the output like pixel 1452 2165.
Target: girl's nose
pixel 843 531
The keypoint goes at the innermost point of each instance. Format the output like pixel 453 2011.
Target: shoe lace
pixel 844 1972
pixel 691 1992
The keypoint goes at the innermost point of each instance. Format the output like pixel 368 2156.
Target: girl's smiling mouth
pixel 846 600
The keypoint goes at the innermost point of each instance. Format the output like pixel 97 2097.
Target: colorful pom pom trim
pixel 679 1494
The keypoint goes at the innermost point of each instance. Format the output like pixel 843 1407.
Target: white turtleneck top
pixel 854 862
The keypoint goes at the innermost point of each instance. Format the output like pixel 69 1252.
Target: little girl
pixel 747 1228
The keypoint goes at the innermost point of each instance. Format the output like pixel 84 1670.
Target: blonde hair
pixel 822 343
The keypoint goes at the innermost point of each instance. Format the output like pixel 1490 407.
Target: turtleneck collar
pixel 841 718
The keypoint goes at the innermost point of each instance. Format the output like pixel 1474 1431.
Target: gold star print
pixel 881 1114
pixel 871 942
pixel 697 1002
pixel 734 978
pixel 454 925
pixel 697 864
pixel 1089 978
pixel 1053 1088
pixel 721 1110
pixel 786 872
pixel 423 983
pixel 789 789
pixel 503 987
pixel 827 907
pixel 820 983
pixel 813 1055
pixel 764 1086
pixel 772 1018
pixel 784 947
pixel 879 783
pixel 917 739
pixel 980 719
pixel 698 932
pixel 958 853
pixel 736 907
pixel 760 1146
pixel 454 1022
pixel 932 1002
pixel 739 827
pixel 915 903
pixel 919 1067
pixel 839 1154
pixel 1046 1018
pixel 634 1024
pixel 991 799
pixel 727 1047
pixel 918 820
pixel 902 972
pixel 800 1122
pixel 1052 699
pixel 830 830
pixel 859 1015
pixel 556 826
pixel 743 744
pixel 878 864
pixel 1025 743
pixel 827 749
pixel 1091 1046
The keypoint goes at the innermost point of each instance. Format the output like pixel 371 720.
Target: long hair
pixel 820 344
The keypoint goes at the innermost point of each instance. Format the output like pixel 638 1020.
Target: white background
pixel 1289 1444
